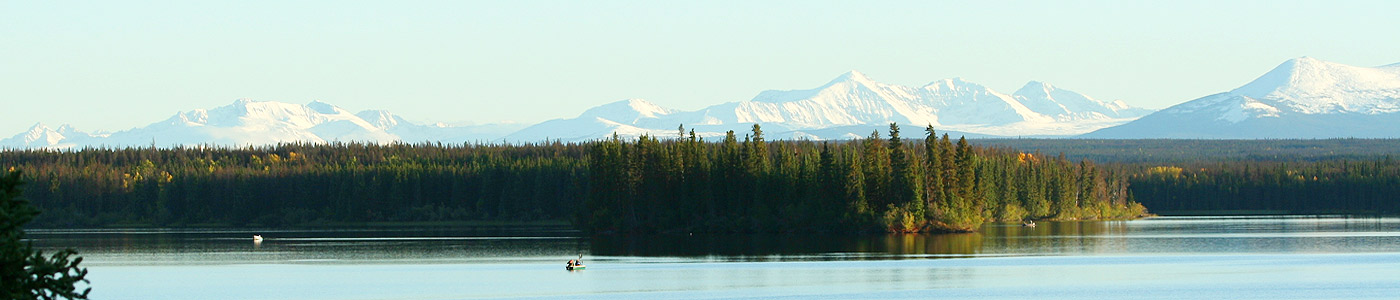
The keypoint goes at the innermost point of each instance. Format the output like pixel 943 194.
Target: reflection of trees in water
pixel 1048 237
pixel 1055 237
pixel 792 245
pixel 360 243
pixel 914 244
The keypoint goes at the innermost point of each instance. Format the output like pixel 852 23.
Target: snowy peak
pixel 324 108
pixel 952 84
pixel 854 99
pixel 1035 88
pixel 851 101
pixel 1065 104
pixel 198 117
pixel 43 136
pixel 381 119
pixel 627 111
pixel 1038 97
pixel 851 82
pixel 1300 98
pixel 1306 79
pixel 851 76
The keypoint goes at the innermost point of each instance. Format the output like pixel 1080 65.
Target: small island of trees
pixel 871 184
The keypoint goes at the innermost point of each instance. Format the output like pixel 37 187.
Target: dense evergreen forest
pixel 1165 151
pixel 1349 176
pixel 298 185
pixel 1322 187
pixel 646 185
pixel 753 185
pixel 686 184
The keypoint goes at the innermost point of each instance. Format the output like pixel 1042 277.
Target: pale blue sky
pixel 114 65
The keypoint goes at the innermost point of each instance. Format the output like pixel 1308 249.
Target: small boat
pixel 1028 224
pixel 575 265
pixel 257 238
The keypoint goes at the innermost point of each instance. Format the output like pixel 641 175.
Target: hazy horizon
pixel 115 66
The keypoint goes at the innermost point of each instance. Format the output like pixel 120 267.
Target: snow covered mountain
pixel 1301 98
pixel 43 136
pixel 849 106
pixel 1067 105
pixel 631 117
pixel 410 132
pixel 247 122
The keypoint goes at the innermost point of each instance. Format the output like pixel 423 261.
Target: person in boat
pixel 571 264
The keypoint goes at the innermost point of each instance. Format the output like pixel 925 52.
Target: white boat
pixel 257 238
pixel 1028 224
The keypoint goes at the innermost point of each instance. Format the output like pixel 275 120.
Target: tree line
pixel 302 184
pixel 647 185
pixel 1290 176
pixel 872 184
pixel 1176 151
pixel 735 184
pixel 1343 186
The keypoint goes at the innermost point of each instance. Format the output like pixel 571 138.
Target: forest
pixel 1212 177
pixel 1173 151
pixel 1321 187
pixel 645 185
pixel 681 183
pixel 301 185
pixel 872 184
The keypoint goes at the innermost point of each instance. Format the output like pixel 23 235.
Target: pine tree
pixel 933 175
pixel 876 158
pixel 24 272
pixel 858 209
pixel 906 188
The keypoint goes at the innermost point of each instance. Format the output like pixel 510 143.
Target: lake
pixel 1274 257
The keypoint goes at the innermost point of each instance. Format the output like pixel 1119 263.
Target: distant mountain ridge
pixel 856 102
pixel 248 122
pixel 1301 98
pixel 849 106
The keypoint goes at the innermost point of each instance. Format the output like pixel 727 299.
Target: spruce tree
pixel 24 272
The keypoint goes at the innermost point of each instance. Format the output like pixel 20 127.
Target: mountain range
pixel 853 105
pixel 1301 98
pixel 247 122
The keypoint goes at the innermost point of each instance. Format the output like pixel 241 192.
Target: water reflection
pixel 551 244
pixel 422 245
pixel 1323 234
pixel 754 247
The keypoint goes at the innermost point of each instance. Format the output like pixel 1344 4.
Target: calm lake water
pixel 1157 258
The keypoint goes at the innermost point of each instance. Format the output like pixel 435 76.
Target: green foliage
pixel 24 272
pixel 304 185
pixel 1352 176
pixel 1329 186
pixel 650 184
pixel 872 184
pixel 1176 151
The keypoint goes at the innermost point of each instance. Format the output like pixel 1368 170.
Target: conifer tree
pixel 906 188
pixel 24 272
